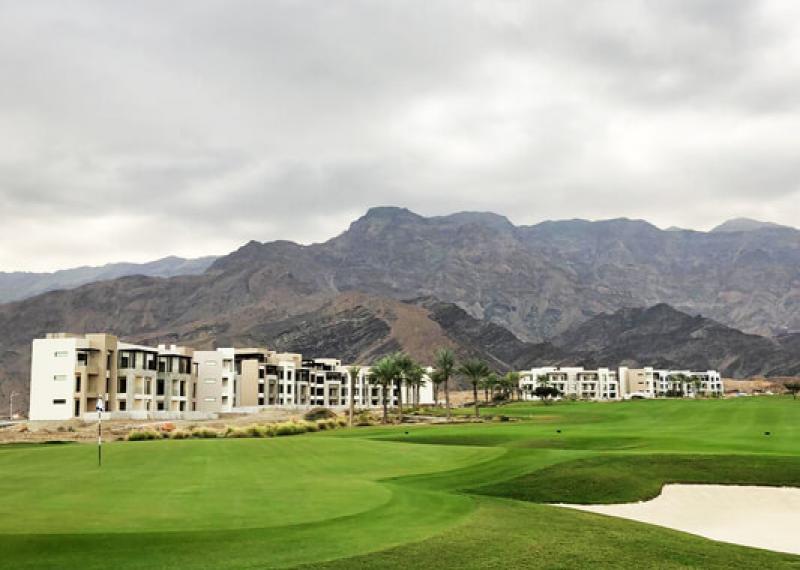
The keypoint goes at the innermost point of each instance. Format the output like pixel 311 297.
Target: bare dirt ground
pixel 86 431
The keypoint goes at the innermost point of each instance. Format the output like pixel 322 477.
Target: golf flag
pixel 99 406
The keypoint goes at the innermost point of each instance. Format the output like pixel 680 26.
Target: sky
pixel 139 129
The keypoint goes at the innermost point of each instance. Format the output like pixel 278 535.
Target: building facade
pixel 621 383
pixel 69 373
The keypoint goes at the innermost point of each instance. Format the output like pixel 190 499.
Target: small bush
pixel 143 435
pixel 290 428
pixel 258 431
pixel 237 432
pixel 315 414
pixel 364 419
pixel 205 433
pixel 342 422
pixel 180 434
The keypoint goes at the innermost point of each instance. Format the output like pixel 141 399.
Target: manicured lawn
pixel 447 496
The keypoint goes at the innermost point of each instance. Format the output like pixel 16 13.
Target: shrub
pixel 341 422
pixel 180 434
pixel 258 431
pixel 315 414
pixel 364 419
pixel 290 428
pixel 143 435
pixel 204 433
pixel 237 432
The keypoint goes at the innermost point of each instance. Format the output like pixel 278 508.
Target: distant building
pixel 69 373
pixel 621 383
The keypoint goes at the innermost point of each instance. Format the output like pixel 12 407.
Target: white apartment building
pixel 69 373
pixel 622 383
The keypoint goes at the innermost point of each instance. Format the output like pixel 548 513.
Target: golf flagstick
pixel 99 408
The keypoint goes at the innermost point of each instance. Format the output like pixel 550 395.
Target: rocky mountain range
pixel 515 295
pixel 18 285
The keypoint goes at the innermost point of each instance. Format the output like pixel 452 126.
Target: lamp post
pixel 11 406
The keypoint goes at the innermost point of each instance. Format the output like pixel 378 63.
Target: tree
pixel 384 373
pixel 445 363
pixel 403 364
pixel 436 379
pixel 543 390
pixel 680 380
pixel 474 370
pixel 793 388
pixel 414 376
pixel 511 379
pixel 489 384
pixel 354 372
pixel 544 393
pixel 697 384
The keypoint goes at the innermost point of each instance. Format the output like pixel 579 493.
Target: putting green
pixel 376 498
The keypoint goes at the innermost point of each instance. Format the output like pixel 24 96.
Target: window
pixel 83 358
pixel 124 359
pixel 148 388
pixel 77 382
pixel 122 384
pixel 61 353
pixel 160 387
pixel 77 410
pixel 60 377
pixel 122 405
pixel 160 406
pixel 59 402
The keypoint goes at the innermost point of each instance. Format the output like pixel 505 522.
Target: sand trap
pixel 761 517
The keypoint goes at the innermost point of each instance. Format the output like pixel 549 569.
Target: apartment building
pixel 69 373
pixel 622 383
pixel 599 384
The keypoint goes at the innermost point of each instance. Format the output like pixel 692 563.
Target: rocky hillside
pixel 488 287
pixel 538 281
pixel 19 285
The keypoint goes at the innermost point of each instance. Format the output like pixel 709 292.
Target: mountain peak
pixel 746 225
pixel 391 213
pixel 489 219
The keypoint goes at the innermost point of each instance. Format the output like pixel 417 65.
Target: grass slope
pixel 371 498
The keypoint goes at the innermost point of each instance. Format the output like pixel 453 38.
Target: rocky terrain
pixel 19 285
pixel 557 292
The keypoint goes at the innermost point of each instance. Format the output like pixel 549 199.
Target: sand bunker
pixel 761 517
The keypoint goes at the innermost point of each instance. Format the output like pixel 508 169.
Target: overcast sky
pixel 134 130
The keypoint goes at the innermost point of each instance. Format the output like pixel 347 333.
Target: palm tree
pixel 437 378
pixel 403 364
pixel 512 380
pixel 488 384
pixel 354 372
pixel 681 380
pixel 697 383
pixel 384 373
pixel 475 370
pixel 445 363
pixel 414 376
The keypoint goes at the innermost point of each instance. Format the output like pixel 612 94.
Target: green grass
pixel 375 498
pixel 627 479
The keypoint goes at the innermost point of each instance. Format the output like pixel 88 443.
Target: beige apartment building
pixel 69 373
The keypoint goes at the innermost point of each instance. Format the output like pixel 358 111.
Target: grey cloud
pixel 132 130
